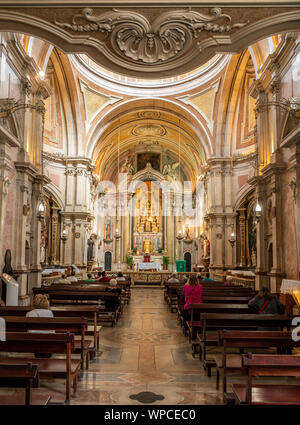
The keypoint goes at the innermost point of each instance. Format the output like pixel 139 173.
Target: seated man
pixel 104 278
pixel 89 278
pixel 207 278
pixel 173 278
pixel 120 277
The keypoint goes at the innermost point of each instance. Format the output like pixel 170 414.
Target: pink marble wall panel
pixel 242 180
pixel 55 179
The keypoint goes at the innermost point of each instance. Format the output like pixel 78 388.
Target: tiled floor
pixel 145 353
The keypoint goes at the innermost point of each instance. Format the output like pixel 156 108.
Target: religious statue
pixel 42 250
pixel 146 222
pixel 127 167
pixel 253 258
pixel 107 231
pixel 147 246
pixel 206 247
pixel 90 251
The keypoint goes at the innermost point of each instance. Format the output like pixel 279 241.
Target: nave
pixel 145 353
pixel 145 359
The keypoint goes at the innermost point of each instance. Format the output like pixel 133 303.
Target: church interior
pixel 143 147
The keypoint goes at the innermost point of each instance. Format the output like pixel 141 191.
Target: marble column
pixel 5 182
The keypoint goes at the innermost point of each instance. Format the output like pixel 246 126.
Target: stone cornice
pixel 77 215
pixel 73 161
pixel 7 137
pixel 26 168
pixel 255 181
pixel 292 138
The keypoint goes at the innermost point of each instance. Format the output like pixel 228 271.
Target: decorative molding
pixel 132 36
pixel 149 130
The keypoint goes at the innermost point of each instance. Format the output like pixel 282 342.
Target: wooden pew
pixel 76 325
pixel 196 311
pixel 60 343
pixel 89 311
pixel 211 323
pixel 268 394
pixel 21 376
pixel 78 297
pixel 232 363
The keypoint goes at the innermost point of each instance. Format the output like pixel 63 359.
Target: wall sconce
pixel 258 211
pixel 64 235
pixel 41 211
pixel 232 239
pixel 179 235
pixel 117 234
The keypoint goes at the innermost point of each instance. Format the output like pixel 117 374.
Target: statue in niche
pixel 253 258
pixel 43 250
pixel 127 167
pixel 147 246
pixel 206 244
pixel 107 231
pixel 90 250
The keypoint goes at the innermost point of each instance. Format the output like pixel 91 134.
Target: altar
pixel 148 266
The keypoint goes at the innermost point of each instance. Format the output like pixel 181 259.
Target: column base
pixel 261 279
pixel 275 280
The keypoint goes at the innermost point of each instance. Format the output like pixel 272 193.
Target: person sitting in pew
pixel 266 303
pixel 207 278
pixel 63 280
pixel 41 309
pixel 120 277
pixel 112 287
pixel 89 278
pixel 173 279
pixel 72 277
pixel 104 278
pixel 192 293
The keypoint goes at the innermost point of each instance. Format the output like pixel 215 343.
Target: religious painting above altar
pixel 145 157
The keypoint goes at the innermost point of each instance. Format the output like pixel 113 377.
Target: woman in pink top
pixel 192 293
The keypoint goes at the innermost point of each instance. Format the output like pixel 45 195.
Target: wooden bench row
pixel 50 368
pixel 21 376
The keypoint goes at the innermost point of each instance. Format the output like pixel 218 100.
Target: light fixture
pixel 258 212
pixel 42 74
pixel 64 235
pixel 232 239
pixel 117 234
pixel 179 235
pixel 41 211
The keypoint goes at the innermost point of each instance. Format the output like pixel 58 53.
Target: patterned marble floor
pixel 145 360
pixel 145 353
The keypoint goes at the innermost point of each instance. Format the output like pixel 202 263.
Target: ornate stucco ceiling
pixel 150 42
pixel 148 131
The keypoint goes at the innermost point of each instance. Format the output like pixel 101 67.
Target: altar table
pixel 148 266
